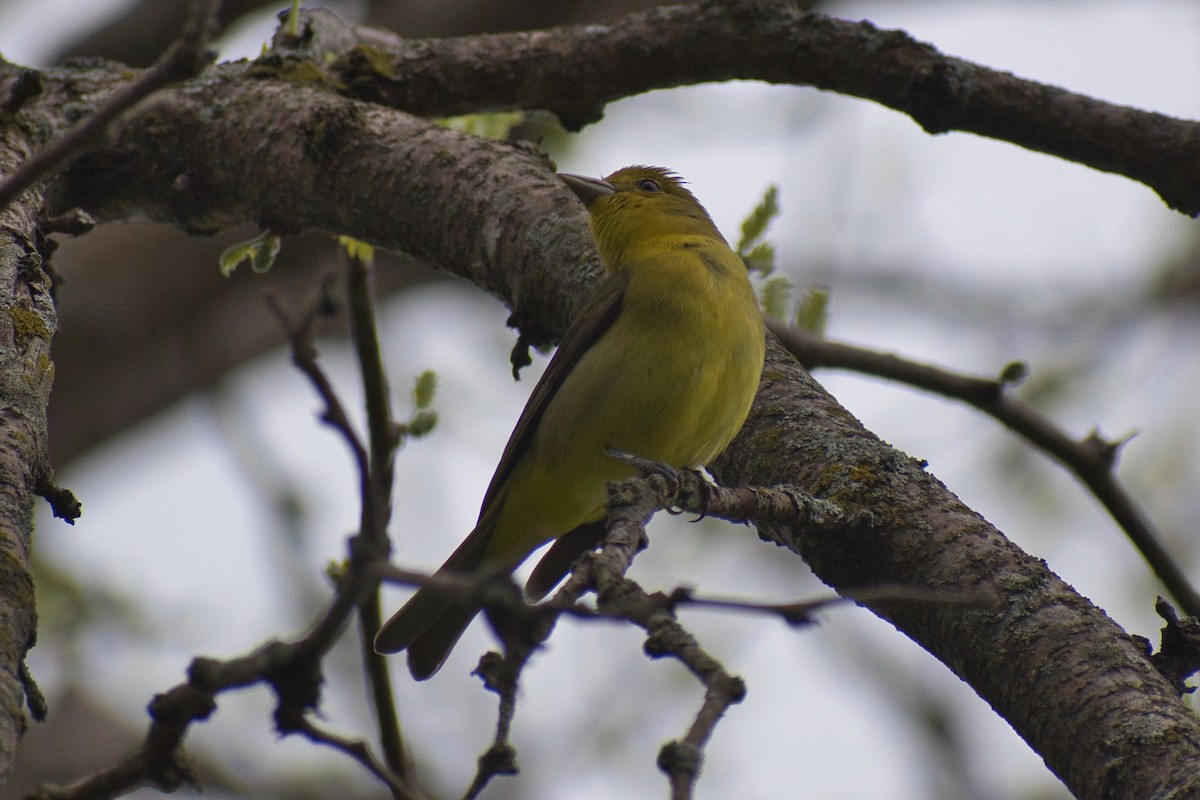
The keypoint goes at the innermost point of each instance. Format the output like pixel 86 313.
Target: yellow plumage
pixel 663 364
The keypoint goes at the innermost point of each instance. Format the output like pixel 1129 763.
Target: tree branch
pixel 1092 460
pixel 575 71
pixel 630 505
pixel 184 58
pixel 548 68
pixel 1027 658
pixel 200 164
pixel 383 441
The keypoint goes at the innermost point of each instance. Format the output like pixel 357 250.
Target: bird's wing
pixel 588 327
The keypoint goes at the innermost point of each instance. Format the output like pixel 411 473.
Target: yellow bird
pixel 664 364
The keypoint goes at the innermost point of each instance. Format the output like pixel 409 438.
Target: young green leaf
pixel 424 388
pixel 755 226
pixel 761 258
pixel 812 312
pixel 259 251
pixel 357 249
pixel 774 294
pixel 488 126
pixel 293 20
pixel 421 423
pixel 1014 372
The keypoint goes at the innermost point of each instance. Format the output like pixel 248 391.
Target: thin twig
pixel 630 505
pixel 1091 459
pixel 521 628
pixel 381 429
pixel 376 504
pixel 688 491
pixel 360 752
pixel 800 613
pixel 292 668
pixel 304 357
pixel 186 57
pixel 1178 656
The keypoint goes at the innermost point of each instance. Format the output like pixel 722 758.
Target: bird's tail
pixel 430 623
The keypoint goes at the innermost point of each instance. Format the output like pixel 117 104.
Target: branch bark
pixel 27 323
pixel 575 71
pixel 292 158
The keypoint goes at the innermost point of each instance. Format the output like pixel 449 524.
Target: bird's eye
pixel 647 185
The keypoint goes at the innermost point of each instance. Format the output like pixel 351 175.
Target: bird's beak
pixel 587 189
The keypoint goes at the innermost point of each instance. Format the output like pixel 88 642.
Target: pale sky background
pixel 1057 257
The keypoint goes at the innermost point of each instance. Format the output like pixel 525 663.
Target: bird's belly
pixel 679 408
pixel 678 402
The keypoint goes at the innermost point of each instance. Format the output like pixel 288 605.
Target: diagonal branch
pixel 575 71
pixel 1092 460
pixel 184 58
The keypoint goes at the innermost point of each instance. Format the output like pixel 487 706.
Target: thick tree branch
pixel 575 71
pixel 27 324
pixel 184 58
pixel 554 69
pixel 234 150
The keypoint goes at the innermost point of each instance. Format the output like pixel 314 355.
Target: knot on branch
pixel 63 502
pixel 680 761
pixel 499 759
pixel 161 761
pixel 1178 655
pixel 934 99
pixel 519 626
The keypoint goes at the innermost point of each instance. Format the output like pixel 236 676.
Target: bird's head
pixel 635 205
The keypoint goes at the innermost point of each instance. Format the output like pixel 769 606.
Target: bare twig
pixel 360 752
pixel 376 504
pixel 304 356
pixel 630 505
pixel 184 58
pixel 687 490
pixel 292 668
pixel 522 628
pixel 801 613
pixel 1091 459
pixel 1178 656
pixel 381 430
pixel 35 701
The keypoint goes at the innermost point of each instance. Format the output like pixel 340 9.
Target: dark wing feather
pixel 604 307
pixel 431 622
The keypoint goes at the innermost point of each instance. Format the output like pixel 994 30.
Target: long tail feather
pixel 432 620
pixel 429 651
